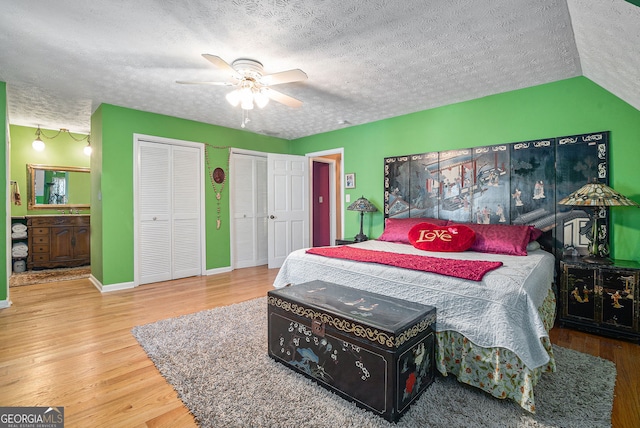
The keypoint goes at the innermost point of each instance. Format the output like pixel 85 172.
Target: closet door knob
pixel 272 216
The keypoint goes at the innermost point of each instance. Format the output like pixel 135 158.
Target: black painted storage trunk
pixel 374 350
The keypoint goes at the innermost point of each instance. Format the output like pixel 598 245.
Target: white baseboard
pixel 110 287
pixel 128 285
pixel 219 270
pixel 5 304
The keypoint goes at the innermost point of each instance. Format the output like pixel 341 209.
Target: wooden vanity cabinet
pixel 58 241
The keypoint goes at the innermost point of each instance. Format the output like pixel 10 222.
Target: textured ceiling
pixel 608 39
pixel 366 60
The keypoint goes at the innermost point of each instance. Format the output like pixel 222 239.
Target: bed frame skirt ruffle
pixel 497 371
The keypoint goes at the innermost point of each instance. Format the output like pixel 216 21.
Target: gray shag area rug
pixel 217 362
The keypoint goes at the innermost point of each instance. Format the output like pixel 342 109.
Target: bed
pixel 491 333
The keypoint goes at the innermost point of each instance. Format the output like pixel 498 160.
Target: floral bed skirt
pixel 497 371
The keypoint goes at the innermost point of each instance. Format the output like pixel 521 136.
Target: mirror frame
pixel 32 186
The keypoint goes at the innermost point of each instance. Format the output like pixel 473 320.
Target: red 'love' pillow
pixel 429 237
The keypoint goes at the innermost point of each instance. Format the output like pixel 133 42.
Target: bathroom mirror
pixel 58 187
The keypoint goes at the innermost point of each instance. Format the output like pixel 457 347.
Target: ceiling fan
pixel 252 85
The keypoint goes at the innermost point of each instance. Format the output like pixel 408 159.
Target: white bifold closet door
pixel 169 211
pixel 249 210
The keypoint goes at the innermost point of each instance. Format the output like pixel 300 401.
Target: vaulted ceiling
pixel 365 60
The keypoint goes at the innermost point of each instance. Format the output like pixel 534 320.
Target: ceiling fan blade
pixel 205 83
pixel 282 98
pixel 288 76
pixel 221 64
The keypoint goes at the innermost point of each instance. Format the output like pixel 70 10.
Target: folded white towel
pixel 20 245
pixel 19 249
pixel 19 235
pixel 18 227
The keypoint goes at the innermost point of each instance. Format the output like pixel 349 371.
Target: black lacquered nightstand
pixel 601 298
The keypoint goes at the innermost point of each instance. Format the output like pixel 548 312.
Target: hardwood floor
pixel 66 344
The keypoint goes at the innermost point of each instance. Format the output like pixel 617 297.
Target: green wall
pixel 112 130
pixel 4 274
pixel 97 267
pixel 60 151
pixel 567 107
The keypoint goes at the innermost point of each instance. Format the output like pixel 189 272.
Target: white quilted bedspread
pixel 499 311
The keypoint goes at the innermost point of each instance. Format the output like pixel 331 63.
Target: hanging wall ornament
pixel 218 177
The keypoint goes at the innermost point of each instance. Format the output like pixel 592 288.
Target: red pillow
pixel 502 238
pixel 397 229
pixel 430 237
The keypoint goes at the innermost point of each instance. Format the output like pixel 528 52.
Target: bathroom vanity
pixel 58 241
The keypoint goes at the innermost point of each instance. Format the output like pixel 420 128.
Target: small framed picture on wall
pixel 350 181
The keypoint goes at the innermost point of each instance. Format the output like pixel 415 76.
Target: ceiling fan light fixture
pixel 233 97
pixel 251 85
pixel 246 98
pixel 261 98
pixel 246 105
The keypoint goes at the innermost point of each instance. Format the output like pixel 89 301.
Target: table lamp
pixel 596 195
pixel 364 206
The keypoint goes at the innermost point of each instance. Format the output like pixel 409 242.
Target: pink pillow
pixel 397 229
pixel 429 237
pixel 535 233
pixel 502 238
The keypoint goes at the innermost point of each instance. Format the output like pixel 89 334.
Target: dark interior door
pixel 321 205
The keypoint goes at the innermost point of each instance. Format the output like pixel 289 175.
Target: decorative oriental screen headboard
pixel 516 183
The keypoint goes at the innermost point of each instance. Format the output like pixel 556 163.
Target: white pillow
pixel 533 245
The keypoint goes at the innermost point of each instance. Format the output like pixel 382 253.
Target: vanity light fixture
pixel 38 144
pixel 87 149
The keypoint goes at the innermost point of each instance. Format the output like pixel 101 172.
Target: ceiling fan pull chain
pixel 245 118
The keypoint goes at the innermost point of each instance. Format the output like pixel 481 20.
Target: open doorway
pixel 321 203
pixel 326 197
